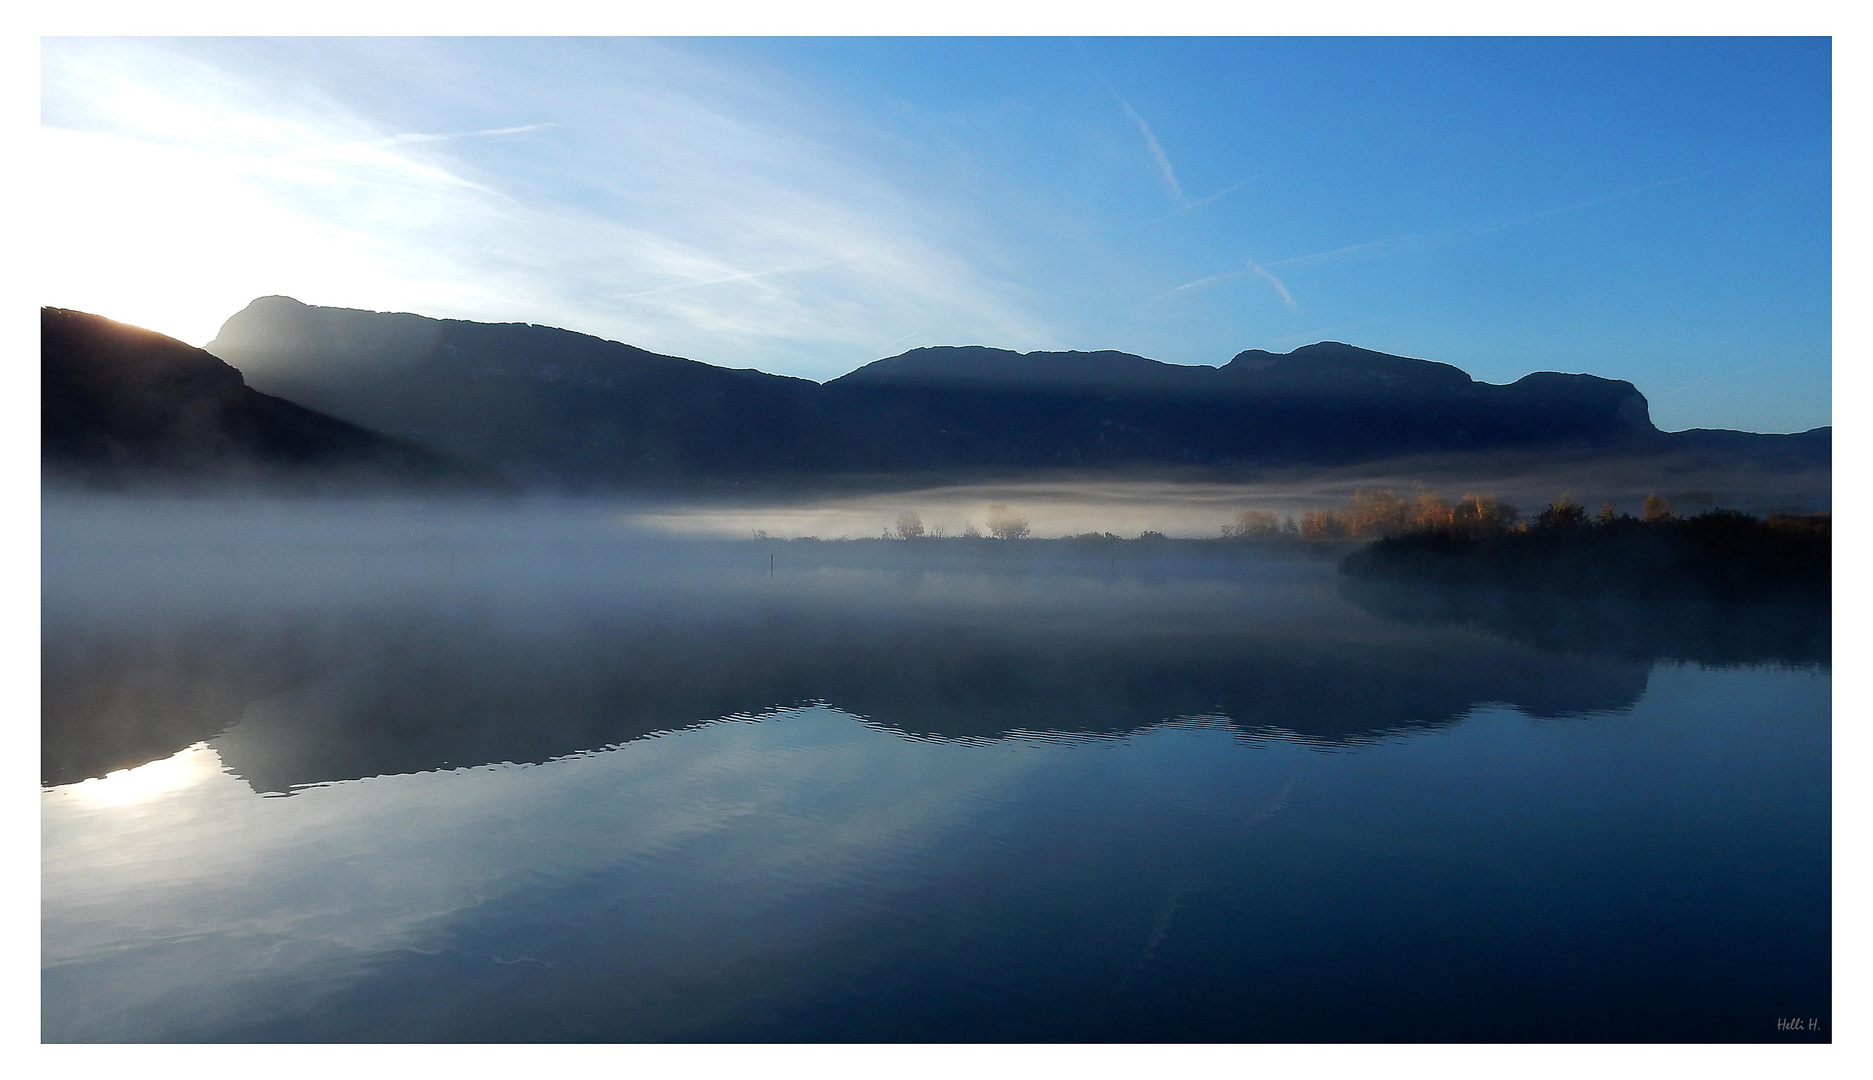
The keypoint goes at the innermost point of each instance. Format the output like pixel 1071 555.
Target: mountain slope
pixel 543 404
pixel 123 404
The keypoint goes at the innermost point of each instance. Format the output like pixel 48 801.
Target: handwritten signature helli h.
pixel 1798 1024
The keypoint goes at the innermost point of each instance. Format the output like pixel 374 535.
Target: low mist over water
pixel 1198 508
pixel 577 771
pixel 847 539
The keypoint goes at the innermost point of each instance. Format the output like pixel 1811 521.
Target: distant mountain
pixel 1323 404
pixel 120 404
pixel 550 406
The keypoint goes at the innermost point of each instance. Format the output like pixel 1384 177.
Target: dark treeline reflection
pixel 1702 630
pixel 300 681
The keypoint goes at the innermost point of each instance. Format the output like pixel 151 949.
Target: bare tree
pixel 1005 524
pixel 909 525
pixel 1321 525
pixel 1253 524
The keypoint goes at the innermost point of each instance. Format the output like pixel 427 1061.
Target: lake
pixel 369 772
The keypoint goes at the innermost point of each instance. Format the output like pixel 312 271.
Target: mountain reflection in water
pixel 1013 792
pixel 333 692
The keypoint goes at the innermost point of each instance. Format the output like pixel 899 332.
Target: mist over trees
pixel 1374 512
pixel 1005 524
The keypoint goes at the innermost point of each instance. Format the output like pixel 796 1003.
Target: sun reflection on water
pixel 145 783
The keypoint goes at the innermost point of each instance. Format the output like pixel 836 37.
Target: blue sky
pixel 1656 210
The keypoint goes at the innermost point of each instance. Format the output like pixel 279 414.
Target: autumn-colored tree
pixel 1376 512
pixel 1430 511
pixel 1607 514
pixel 1381 512
pixel 1656 509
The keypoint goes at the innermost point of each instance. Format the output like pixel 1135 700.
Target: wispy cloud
pixel 1169 175
pixel 660 199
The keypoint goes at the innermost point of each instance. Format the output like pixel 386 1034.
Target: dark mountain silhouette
pixel 120 404
pixel 1324 404
pixel 542 404
pixel 551 406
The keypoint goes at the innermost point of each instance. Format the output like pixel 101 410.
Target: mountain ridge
pixel 552 406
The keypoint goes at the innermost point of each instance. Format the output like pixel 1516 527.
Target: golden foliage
pixel 1375 512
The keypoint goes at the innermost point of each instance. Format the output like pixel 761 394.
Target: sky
pixel 1656 210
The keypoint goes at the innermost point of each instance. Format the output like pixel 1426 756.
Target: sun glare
pixel 145 783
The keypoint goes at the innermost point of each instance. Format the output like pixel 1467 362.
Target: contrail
pixel 1194 284
pixel 1282 290
pixel 1472 232
pixel 421 137
pixel 727 278
pixel 1157 154
pixel 1628 193
pixel 1350 249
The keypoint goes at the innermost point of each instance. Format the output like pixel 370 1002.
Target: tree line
pixel 1722 554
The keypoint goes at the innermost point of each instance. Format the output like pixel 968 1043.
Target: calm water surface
pixel 434 779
